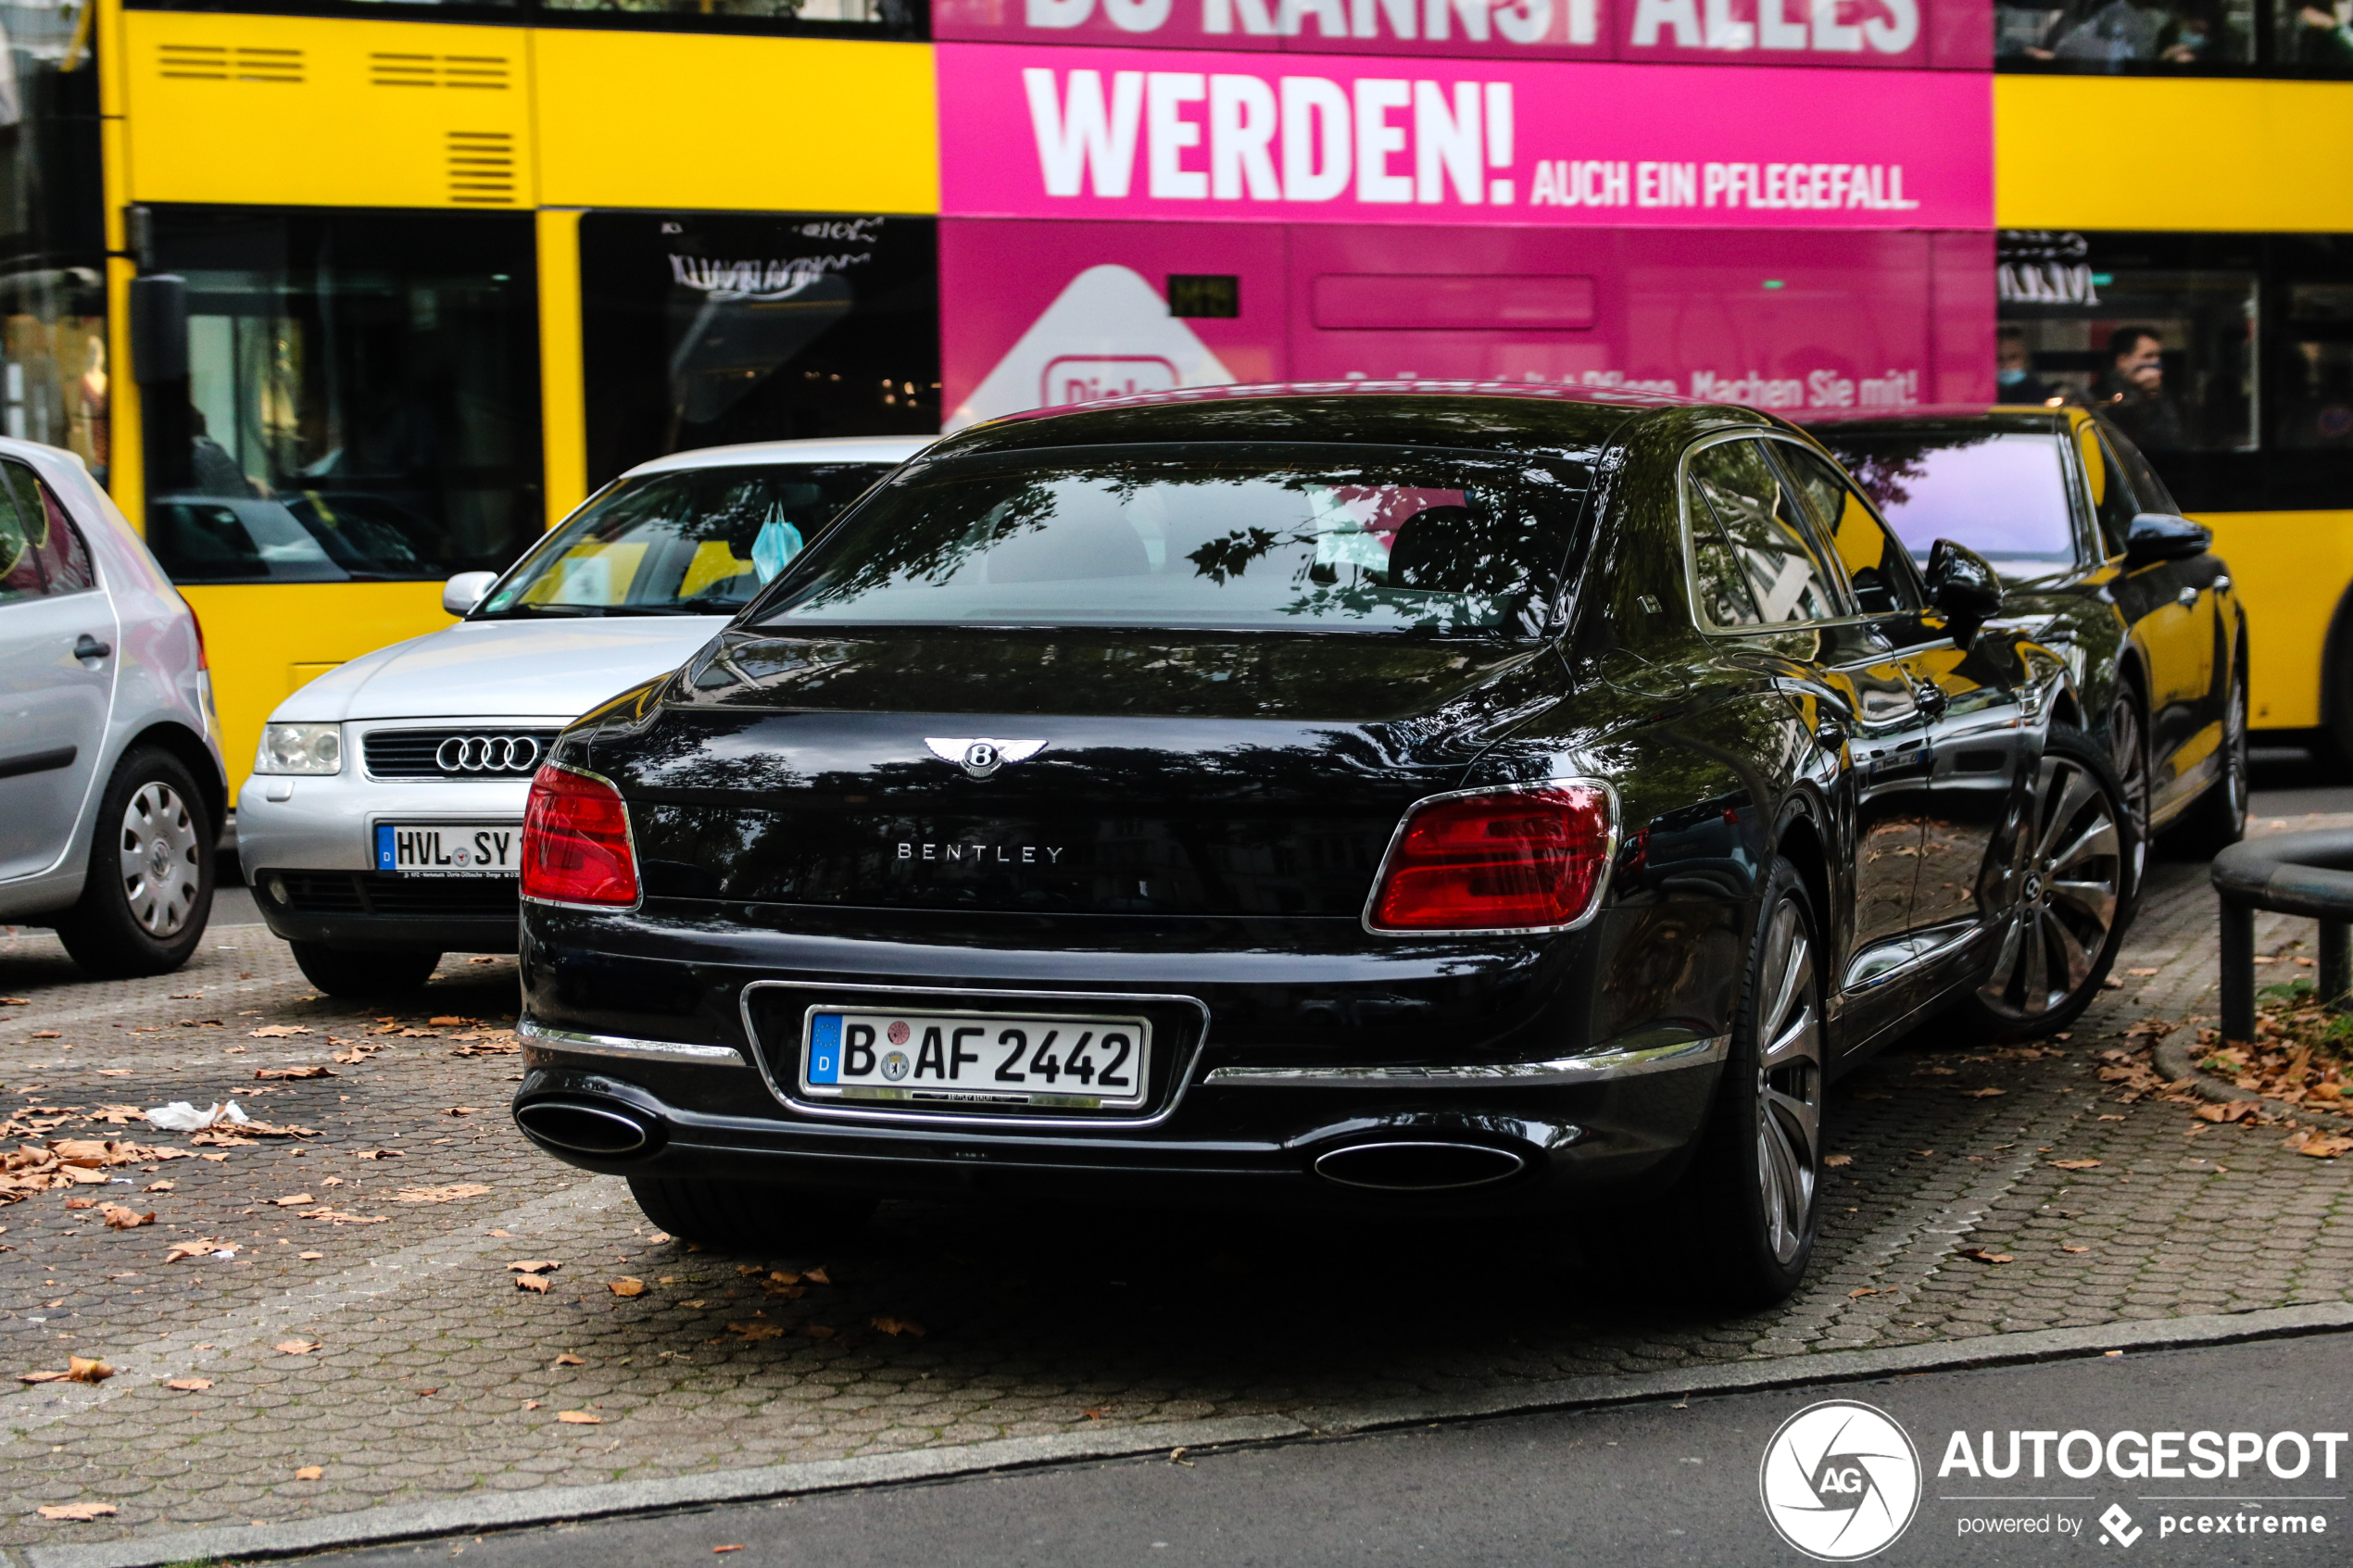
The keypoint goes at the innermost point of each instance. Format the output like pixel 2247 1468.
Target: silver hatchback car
pixel 382 825
pixel 111 785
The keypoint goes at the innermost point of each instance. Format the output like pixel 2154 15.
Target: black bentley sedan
pixel 2103 570
pixel 1404 798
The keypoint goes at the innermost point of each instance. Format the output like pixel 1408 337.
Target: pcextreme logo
pixel 1840 1481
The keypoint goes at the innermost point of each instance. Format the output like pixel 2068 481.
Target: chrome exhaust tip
pixel 604 1131
pixel 1420 1165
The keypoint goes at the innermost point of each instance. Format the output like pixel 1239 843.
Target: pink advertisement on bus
pixel 1114 133
pixel 1048 314
pixel 1946 34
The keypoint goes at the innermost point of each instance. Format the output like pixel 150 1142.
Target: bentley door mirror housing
pixel 464 591
pixel 2156 536
pixel 1964 586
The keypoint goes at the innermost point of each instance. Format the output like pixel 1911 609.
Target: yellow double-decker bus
pixel 338 304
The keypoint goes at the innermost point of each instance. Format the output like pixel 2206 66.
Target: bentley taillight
pixel 575 841
pixel 1512 859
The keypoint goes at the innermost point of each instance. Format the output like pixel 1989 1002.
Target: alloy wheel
pixel 2132 759
pixel 1789 1082
pixel 2066 885
pixel 2235 766
pixel 160 858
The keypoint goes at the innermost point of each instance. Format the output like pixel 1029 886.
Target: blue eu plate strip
pixel 384 846
pixel 824 1048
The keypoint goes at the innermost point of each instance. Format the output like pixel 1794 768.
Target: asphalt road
pixel 1666 1484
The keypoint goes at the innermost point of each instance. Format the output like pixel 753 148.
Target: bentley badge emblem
pixel 978 756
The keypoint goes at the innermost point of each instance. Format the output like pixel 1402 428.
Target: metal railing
pixel 2293 873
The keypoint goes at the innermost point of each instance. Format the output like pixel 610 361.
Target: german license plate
pixel 1070 1062
pixel 450 848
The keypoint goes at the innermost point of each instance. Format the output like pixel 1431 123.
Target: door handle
pixel 2186 598
pixel 88 646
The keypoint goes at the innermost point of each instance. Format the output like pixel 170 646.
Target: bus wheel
pixel 342 973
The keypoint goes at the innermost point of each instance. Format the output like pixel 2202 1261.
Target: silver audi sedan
pixel 381 826
pixel 111 785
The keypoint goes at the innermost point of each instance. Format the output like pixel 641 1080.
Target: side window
pixel 41 552
pixel 1764 526
pixel 1718 586
pixel 2151 491
pixel 1874 559
pixel 2113 502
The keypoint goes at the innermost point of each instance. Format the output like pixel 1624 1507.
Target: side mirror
pixel 1964 586
pixel 2156 536
pixel 464 591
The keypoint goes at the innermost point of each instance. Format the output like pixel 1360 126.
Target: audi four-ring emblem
pixel 488 753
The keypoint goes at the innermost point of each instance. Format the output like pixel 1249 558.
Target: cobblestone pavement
pixel 381 1351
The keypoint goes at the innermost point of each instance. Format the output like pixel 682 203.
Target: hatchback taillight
pixel 1504 860
pixel 575 841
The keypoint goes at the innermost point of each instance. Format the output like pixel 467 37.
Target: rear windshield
pixel 2004 495
pixel 699 541
pixel 1326 538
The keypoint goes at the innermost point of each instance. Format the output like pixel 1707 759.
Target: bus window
pixel 362 399
pixel 705 330
pixel 2106 36
pixel 2316 364
pixel 2167 355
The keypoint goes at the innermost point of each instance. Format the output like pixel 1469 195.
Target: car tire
pixel 341 973
pixel 2067 892
pixel 751 1216
pixel 148 890
pixel 1754 1189
pixel 2219 820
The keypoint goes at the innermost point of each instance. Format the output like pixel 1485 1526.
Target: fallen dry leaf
pixel 2144 973
pixel 757 1330
pixel 580 1417
pixel 310 1472
pixel 2075 1164
pixel 114 1072
pixel 898 1325
pixel 78 1511
pixel 1982 1255
pixel 159 1186
pixel 439 1194
pixel 190 1384
pixel 198 1249
pixel 293 1073
pixel 295 1346
pixel 43 1377
pixel 1983 1094
pixel 310 1257
pixel 277 1031
pixel 2319 1145
pixel 2070 1247
pixel 816 1276
pixel 2235 1110
pixel 87 1369
pixel 720 1548
pixel 448 1021
pixel 532 1283
pixel 375 1154
pixel 1864 1291
pixel 459 1110
pixel 296 1201
pixel 567 1358
pixel 535 1265
pixel 626 1286
pixel 122 1219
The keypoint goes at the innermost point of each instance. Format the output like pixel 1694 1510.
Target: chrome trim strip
pixel 575 1044
pixel 1598 1067
pixel 1857 981
pixel 1182 1071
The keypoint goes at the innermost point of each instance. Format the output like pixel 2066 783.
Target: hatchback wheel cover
pixel 1789 1082
pixel 2065 883
pixel 158 853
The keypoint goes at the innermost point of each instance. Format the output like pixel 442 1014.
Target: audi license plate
pixel 1071 1062
pixel 450 848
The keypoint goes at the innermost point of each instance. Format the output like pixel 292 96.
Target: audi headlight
pixel 299 748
